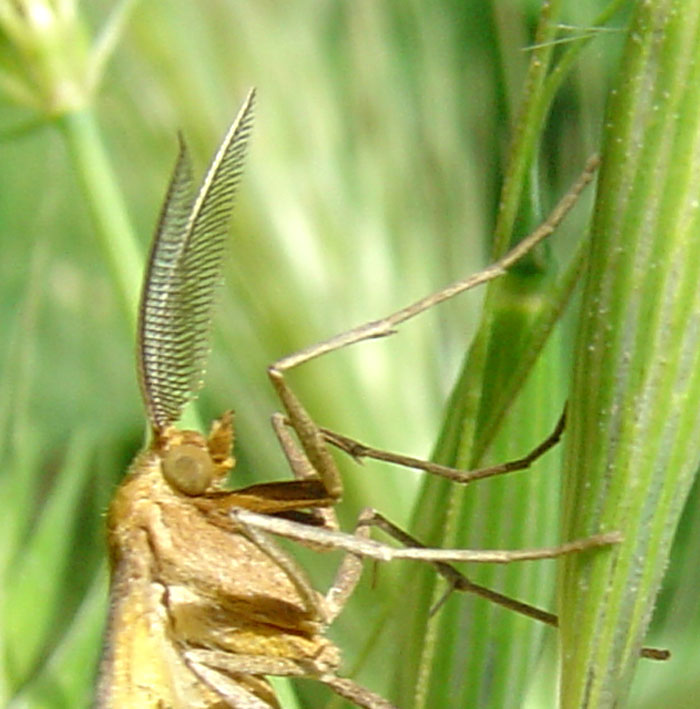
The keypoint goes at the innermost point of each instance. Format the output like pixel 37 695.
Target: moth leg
pixel 350 568
pixel 356 693
pixel 372 549
pixel 311 598
pixel 361 546
pixel 310 438
pixel 384 327
pixel 220 668
pixel 232 688
pixel 359 451
pixel 457 581
pixel 301 466
pixel 346 577
pixel 240 664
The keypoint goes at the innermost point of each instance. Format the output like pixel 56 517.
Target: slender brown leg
pixel 459 582
pixel 350 568
pixel 207 662
pixel 301 583
pixel 226 672
pixel 387 326
pixel 359 451
pixel 347 577
pixel 311 438
pixel 301 466
pixel 232 688
pixel 359 545
pixel 313 459
pixel 357 694
pixel 370 548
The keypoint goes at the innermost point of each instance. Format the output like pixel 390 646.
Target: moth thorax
pixel 188 468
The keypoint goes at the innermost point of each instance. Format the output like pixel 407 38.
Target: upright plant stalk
pixel 49 64
pixel 473 654
pixel 105 202
pixel 634 433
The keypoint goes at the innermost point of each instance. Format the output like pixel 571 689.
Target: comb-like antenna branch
pixel 184 270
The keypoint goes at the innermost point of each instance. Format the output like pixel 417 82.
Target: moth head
pixel 193 464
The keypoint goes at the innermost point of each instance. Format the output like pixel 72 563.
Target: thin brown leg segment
pixel 359 451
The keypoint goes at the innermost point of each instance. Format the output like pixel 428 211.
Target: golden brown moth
pixel 184 574
pixel 202 604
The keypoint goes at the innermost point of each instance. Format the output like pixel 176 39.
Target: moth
pixel 185 575
pixel 203 605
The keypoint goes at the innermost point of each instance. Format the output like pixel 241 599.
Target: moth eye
pixel 188 469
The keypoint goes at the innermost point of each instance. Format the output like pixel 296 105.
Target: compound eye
pixel 188 469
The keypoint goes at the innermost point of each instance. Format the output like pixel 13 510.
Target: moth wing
pixel 140 665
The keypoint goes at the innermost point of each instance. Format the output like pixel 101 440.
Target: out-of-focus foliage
pixel 377 158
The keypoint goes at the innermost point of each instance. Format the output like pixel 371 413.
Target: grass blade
pixel 634 442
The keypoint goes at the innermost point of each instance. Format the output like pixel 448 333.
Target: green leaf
pixel 68 674
pixel 41 563
pixel 634 436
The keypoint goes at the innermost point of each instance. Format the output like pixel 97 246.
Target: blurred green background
pixel 377 158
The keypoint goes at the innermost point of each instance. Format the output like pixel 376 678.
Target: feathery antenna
pixel 184 269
